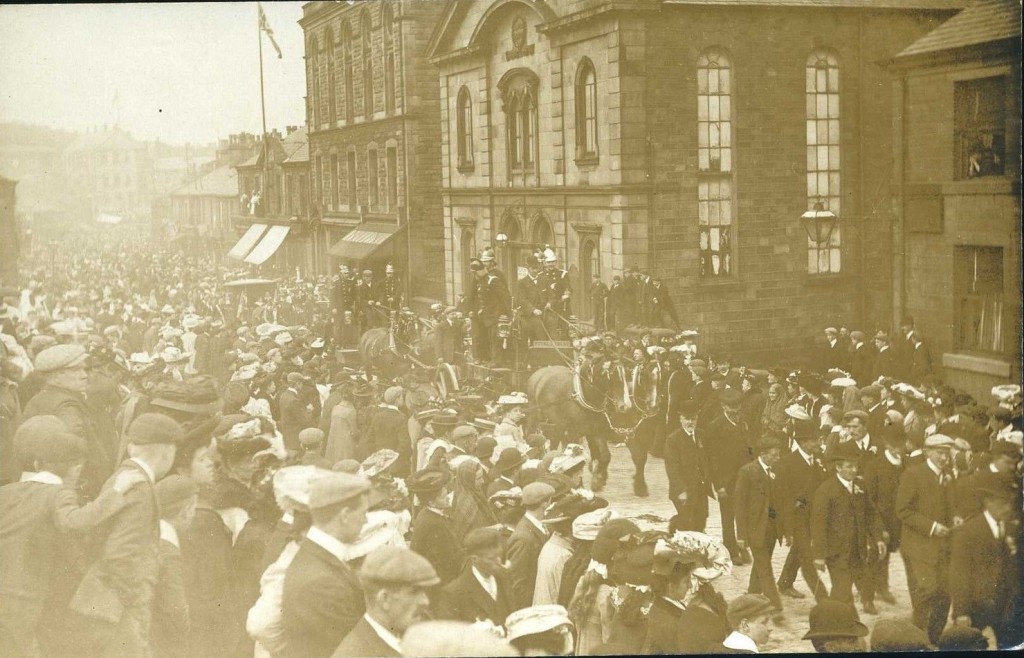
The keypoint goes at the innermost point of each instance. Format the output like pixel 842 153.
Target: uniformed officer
pixel 391 289
pixel 556 295
pixel 342 298
pixel 530 300
pixel 368 294
pixel 488 299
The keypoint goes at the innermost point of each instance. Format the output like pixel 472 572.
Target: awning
pixel 363 242
pixel 246 242
pixel 268 245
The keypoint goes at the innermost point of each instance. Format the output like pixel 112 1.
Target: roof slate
pixel 985 22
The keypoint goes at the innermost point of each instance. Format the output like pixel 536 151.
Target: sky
pixel 180 73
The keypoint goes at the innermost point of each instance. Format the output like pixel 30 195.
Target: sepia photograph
pixel 441 328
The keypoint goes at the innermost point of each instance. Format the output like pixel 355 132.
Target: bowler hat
pixel 509 459
pixel 730 397
pixel 426 482
pixel 831 618
pixel 844 451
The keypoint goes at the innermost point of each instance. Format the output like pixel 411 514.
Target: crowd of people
pixel 187 470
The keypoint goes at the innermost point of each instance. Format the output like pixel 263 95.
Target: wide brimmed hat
pixel 172 354
pixel 536 619
pixel 378 462
pixel 709 556
pixel 426 482
pixel 509 459
pixel 844 451
pixel 831 618
pixel 572 505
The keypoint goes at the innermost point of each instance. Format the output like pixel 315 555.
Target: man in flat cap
pixel 114 599
pixel 395 583
pixel 845 529
pixel 523 548
pixel 750 617
pixel 432 533
pixel 323 600
pixel 924 505
pixel 984 575
pixel 482 590
pixel 63 395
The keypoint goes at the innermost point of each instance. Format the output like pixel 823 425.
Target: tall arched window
pixel 367 39
pixel 387 18
pixel 823 139
pixel 332 90
pixel 348 55
pixel 542 232
pixel 312 52
pixel 464 129
pixel 715 201
pixel 586 111
pixel 519 98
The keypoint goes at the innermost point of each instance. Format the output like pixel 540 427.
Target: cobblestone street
pixel 784 638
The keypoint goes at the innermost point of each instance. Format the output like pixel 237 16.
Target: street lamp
pixel 501 239
pixel 819 223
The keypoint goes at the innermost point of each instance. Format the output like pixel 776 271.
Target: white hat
pixel 1006 392
pixel 797 412
pixel 245 373
pixel 172 354
pixel 535 619
pixel 655 349
pixel 140 359
pixel 586 526
pixel 514 397
pixel 283 338
pixel 549 256
pixel 843 382
pixel 191 321
pixel 487 255
pixel 389 269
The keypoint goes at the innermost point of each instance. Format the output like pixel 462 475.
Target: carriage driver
pixel 488 299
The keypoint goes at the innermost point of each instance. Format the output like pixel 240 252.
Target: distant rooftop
pixel 222 181
pixel 105 140
pixel 985 22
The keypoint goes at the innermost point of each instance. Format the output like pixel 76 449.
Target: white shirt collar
pixel 807 458
pixel 767 469
pixel 489 583
pixel 288 518
pixel 992 524
pixel 42 477
pixel 678 604
pixel 388 406
pixel 145 468
pixel 330 544
pixel 935 469
pixel 846 483
pixel 386 635
pixel 895 461
pixel 536 522
pixel 737 640
pixel 169 534
pixel 865 442
pixel 600 568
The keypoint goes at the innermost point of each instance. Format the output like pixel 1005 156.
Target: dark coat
pixel 389 428
pixel 433 538
pixel 843 525
pixel 293 416
pixel 447 340
pixel 862 364
pixel 920 363
pixel 321 604
pixel 796 484
pixel 983 578
pixel 363 642
pixel 755 506
pixel 464 599
pixel 920 502
pixel 881 480
pixel 214 603
pixel 727 448
pixel 886 365
pixel 686 465
pixel 169 633
pixel 522 551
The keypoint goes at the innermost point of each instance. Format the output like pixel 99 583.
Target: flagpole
pixel 265 193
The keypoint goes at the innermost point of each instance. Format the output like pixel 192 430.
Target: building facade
pixel 202 210
pixel 957 247
pixel 374 128
pixel 108 171
pixel 686 138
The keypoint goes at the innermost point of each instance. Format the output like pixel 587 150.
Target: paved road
pixel 785 638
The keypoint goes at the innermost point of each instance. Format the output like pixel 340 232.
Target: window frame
pixel 998 127
pixel 372 178
pixel 716 185
pixel 464 160
pixel 829 129
pixel 366 36
pixel 962 259
pixel 391 165
pixel 352 167
pixel 587 130
pixel 519 90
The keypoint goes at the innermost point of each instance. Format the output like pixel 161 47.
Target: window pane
pixel 822 132
pixel 833 80
pixel 702 159
pixel 702 135
pixel 820 80
pixel 821 106
pixel 724 108
pixel 726 133
pixel 812 158
pixel 702 108
pixel 811 75
pixel 702 81
pixel 726 159
pixel 723 81
pixel 822 157
pixel 812 132
pixel 726 211
pixel 713 113
pixel 702 212
pixel 714 139
pixel 713 81
pixel 833 106
pixel 812 185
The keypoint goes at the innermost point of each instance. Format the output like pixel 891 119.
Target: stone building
pixel 202 210
pixel 374 129
pixel 687 138
pixel 957 241
pixel 108 171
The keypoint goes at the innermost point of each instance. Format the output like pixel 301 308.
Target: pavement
pixel 785 637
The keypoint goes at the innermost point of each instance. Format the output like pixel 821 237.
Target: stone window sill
pixel 465 167
pixel 986 365
pixel 587 161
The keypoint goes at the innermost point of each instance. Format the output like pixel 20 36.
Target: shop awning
pixel 268 245
pixel 364 241
pixel 246 242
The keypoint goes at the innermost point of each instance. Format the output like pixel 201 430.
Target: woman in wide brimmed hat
pixel 590 605
pixel 630 574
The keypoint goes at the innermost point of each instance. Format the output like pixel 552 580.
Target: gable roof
pixel 222 181
pixel 296 147
pixel 985 22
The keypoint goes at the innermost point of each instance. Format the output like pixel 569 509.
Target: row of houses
pixel 781 165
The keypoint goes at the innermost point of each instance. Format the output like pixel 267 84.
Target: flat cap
pixel 939 441
pixel 395 565
pixel 47 439
pixel 856 413
pixel 464 433
pixel 730 397
pixel 334 488
pixel 747 606
pixel 174 489
pixel 294 378
pixel 857 336
pixel 872 391
pixel 427 481
pixel 393 395
pixel 154 428
pixel 536 493
pixel 350 466
pixel 479 539
pixel 311 436
pixel 700 371
pixel 535 619
pixel 961 638
pixel 58 357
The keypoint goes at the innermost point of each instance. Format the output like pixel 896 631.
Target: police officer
pixel 557 294
pixel 489 298
pixel 342 298
pixel 391 289
pixel 530 300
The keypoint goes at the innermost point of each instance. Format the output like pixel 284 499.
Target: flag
pixel 265 26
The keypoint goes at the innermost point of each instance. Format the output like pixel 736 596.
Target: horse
pixel 578 407
pixel 648 438
pixel 393 350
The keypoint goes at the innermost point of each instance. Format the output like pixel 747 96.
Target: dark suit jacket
pixel 920 363
pixel 983 576
pixel 796 483
pixel 686 465
pixel 389 428
pixel 433 538
pixel 920 502
pixel 321 604
pixel 727 449
pixel 755 506
pixel 862 364
pixel 522 551
pixel 842 524
pixel 881 479
pixel 363 642
pixel 294 417
pixel 169 631
pixel 447 340
pixel 464 599
pixel 885 365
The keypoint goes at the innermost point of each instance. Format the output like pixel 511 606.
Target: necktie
pixel 770 473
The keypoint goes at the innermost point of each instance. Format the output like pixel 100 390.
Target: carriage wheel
pixel 447 380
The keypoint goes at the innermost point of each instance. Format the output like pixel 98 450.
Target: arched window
pixel 387 18
pixel 823 139
pixel 586 111
pixel 715 198
pixel 519 98
pixel 590 264
pixel 332 90
pixel 464 129
pixel 542 232
pixel 312 53
pixel 348 55
pixel 365 35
